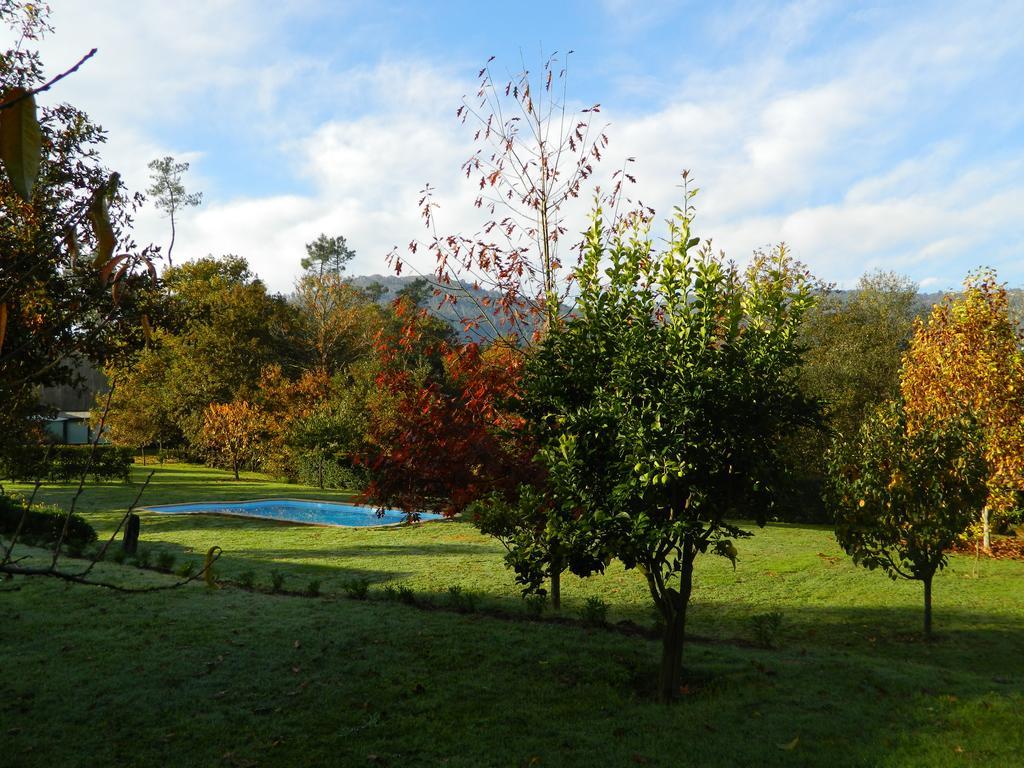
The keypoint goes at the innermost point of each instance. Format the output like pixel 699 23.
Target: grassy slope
pixel 196 678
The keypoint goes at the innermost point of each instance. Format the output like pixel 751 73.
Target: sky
pixel 864 135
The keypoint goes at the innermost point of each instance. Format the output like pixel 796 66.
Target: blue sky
pixel 866 136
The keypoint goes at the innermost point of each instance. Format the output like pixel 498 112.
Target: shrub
pixel 357 589
pixel 276 581
pixel 313 588
pixel 765 628
pixel 43 523
pixel 142 558
pixel 119 556
pixel 463 602
pixel 246 579
pixel 390 592
pixel 187 569
pixel 406 595
pixel 535 603
pixel 594 611
pixel 165 561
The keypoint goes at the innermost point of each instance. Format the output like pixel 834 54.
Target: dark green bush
pixel 313 588
pixel 246 579
pixel 165 561
pixel 594 611
pixel 276 581
pixel 357 589
pixel 459 600
pixel 766 627
pixel 187 569
pixel 43 524
pixel 64 463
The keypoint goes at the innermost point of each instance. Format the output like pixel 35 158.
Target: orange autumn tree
pixel 967 359
pixel 232 432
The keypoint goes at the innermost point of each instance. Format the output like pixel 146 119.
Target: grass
pixel 233 677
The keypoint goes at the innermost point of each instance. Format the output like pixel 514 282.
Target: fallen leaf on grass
pixel 789 746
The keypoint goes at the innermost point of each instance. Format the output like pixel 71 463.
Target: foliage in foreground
pixel 662 406
pixel 904 491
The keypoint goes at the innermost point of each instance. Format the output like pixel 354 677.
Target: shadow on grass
pixel 372 678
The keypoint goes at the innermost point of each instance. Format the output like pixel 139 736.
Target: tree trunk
pixel 670 676
pixel 927 606
pixel 171 246
pixel 143 455
pixel 556 584
pixel 234 466
pixel 986 530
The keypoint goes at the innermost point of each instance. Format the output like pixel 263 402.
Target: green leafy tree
pixel 169 193
pixel 219 330
pixel 902 493
pixel 659 409
pixel 66 295
pixel 327 255
pixel 855 343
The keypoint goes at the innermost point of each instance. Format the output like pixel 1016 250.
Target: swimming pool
pixel 295 511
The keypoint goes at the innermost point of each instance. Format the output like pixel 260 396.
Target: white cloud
pixel 805 151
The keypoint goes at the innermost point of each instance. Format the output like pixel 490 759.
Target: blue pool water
pixel 295 511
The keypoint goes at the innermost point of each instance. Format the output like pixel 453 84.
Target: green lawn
pixel 230 677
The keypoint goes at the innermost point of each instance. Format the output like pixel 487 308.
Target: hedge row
pixel 43 524
pixel 63 463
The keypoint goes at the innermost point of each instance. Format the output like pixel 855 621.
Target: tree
pixel 659 409
pixel 219 329
pixel 903 490
pixel 327 256
pixel 534 155
pixel 855 344
pixel 169 193
pixel 967 360
pixel 441 440
pixel 65 293
pixel 72 286
pixel 337 323
pixel 232 431
pixel 138 413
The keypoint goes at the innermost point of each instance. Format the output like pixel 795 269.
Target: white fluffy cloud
pixel 781 153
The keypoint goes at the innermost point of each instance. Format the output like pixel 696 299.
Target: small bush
pixel 246 579
pixel 142 558
pixel 390 592
pixel 357 589
pixel 43 523
pixel 765 628
pixel 187 569
pixel 458 600
pixel 535 603
pixel 594 611
pixel 165 561
pixel 313 588
pixel 119 556
pixel 406 595
pixel 276 581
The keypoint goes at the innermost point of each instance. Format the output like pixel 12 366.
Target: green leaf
pixel 21 142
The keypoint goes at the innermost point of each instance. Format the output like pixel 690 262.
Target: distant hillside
pixel 469 306
pixel 391 286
